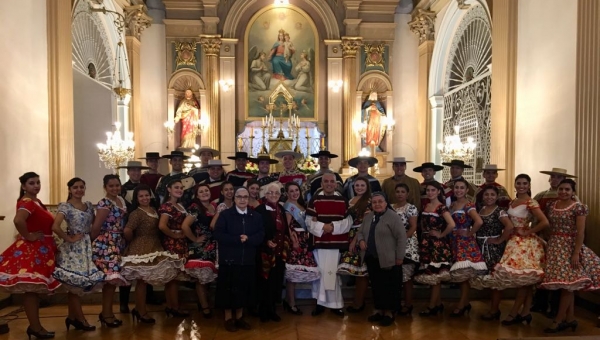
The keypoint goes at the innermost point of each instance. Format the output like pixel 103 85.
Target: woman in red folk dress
pixel 571 266
pixel 27 265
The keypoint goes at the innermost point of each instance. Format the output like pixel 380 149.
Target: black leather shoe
pixel 386 321
pixel 375 317
pixel 275 317
pixel 242 324
pixel 338 312
pixel 352 309
pixel 318 310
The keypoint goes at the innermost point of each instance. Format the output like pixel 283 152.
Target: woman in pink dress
pixel 523 260
pixel 27 265
pixel 571 266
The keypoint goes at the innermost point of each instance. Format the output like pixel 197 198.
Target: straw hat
pixel 559 172
pixel 213 162
pixel 491 167
pixel 399 160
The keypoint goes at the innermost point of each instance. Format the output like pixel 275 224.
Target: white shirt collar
pixel 240 211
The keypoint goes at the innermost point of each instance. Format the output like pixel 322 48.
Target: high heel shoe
pixel 353 310
pixel 113 324
pixel 291 309
pixel 460 312
pixel 527 318
pixel 79 325
pixel 512 320
pixel 430 311
pixel 176 313
pixel 136 315
pixel 558 327
pixel 405 310
pixel 39 334
pixel 572 324
pixel 206 312
pixel 491 316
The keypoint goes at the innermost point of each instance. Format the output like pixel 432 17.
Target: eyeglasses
pixel 242 197
pixel 273 193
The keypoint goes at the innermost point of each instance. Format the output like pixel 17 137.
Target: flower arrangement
pixel 252 167
pixel 308 166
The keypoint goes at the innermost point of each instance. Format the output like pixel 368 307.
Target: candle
pixel 252 131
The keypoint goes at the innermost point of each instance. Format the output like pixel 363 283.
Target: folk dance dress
pixel 108 247
pixel 300 265
pixel 175 246
pixel 524 259
pixel 492 253
pixel 74 265
pixel 352 263
pixel 467 259
pixel 435 254
pixel 559 274
pixel 411 258
pixel 145 259
pixel 27 266
pixel 202 257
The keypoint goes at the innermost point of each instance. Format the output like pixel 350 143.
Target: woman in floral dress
pixel 145 260
pixel 435 253
pixel 109 244
pixel 350 262
pixel 491 238
pixel 467 259
pixel 74 265
pixel 523 260
pixel 409 215
pixel 301 265
pixel 202 249
pixel 26 266
pixel 571 266
pixel 172 214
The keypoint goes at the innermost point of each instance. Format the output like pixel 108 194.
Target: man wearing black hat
pixel 290 171
pixel 362 164
pixel 215 178
pixel 428 171
pixel 313 183
pixel 206 153
pixel 239 175
pixel 264 161
pixel 400 176
pixel 152 176
pixel 490 173
pixel 176 160
pixel 457 167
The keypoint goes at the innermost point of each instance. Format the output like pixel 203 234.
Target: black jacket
pixel 228 229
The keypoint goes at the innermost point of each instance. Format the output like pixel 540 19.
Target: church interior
pixel 513 83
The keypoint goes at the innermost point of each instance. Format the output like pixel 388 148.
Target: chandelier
pixel 453 148
pixel 116 151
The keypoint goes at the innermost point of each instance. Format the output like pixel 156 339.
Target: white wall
pixel 405 77
pixel 153 82
pixel 546 61
pixel 93 106
pixel 23 104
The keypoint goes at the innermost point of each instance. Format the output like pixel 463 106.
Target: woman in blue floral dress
pixel 74 265
pixel 109 244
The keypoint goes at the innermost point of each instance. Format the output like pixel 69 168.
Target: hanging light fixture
pixel 454 148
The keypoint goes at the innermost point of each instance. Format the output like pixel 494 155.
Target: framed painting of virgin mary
pixel 281 47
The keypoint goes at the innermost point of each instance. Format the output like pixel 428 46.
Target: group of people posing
pixel 250 233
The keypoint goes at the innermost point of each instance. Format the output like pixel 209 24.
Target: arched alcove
pixel 181 81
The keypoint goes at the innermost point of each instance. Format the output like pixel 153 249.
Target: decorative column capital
pixel 351 46
pixel 423 24
pixel 136 20
pixel 211 44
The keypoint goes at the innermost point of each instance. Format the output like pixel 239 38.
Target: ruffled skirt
pixel 156 268
pixel 522 263
pixel 76 269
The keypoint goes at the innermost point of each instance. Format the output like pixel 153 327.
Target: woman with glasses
pixel 239 232
pixel 273 252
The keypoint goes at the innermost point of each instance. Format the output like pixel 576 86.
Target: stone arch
pixel 376 80
pixel 326 16
pixel 184 79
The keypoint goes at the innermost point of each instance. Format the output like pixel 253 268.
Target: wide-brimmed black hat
pixel 176 153
pixel 457 162
pixel 353 162
pixel 263 157
pixel 324 153
pixel 133 165
pixel 239 154
pixel 151 155
pixel 428 165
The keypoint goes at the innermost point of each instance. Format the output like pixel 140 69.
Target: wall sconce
pixel 388 123
pixel 226 84
pixel 335 85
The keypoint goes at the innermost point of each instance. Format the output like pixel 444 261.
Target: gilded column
pixel 587 107
pixel 136 20
pixel 60 98
pixel 350 48
pixel 212 47
pixel 423 25
pixel 504 80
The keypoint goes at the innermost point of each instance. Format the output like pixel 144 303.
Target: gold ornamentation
pixel 422 24
pixel 186 53
pixel 374 55
pixel 136 20
pixel 211 44
pixel 334 49
pixel 350 46
pixel 227 48
pixel 462 4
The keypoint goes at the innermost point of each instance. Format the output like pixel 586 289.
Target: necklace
pixel 151 214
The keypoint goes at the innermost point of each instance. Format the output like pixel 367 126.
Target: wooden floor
pixel 326 326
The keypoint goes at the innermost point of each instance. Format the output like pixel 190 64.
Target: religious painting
pixel 281 46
